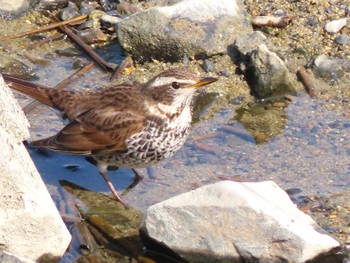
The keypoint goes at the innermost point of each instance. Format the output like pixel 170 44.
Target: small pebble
pixel 238 100
pixel 280 12
pixel 329 10
pixel 335 26
pixel 312 21
pixel 208 66
pixel 224 73
pixel 342 39
pixel 111 19
pixel 86 8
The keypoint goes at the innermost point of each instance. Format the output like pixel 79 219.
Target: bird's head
pixel 174 88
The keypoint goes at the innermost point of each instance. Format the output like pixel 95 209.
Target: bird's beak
pixel 203 81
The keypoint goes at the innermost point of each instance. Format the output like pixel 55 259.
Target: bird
pixel 130 125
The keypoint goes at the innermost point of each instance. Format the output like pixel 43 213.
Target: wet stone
pixel 342 39
pixel 208 66
pixel 312 21
pixel 69 12
pixel 86 8
pixel 52 4
pixel 16 68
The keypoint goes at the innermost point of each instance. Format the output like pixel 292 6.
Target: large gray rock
pixel 236 222
pixel 11 8
pixel 189 28
pixel 30 224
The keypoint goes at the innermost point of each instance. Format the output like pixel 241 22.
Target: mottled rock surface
pixel 189 28
pixel 30 225
pixel 236 222
pixel 10 8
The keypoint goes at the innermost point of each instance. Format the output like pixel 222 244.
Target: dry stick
pixel 31 105
pixel 100 61
pixel 45 28
pixel 44 41
pixel 74 77
pixel 127 63
pixel 272 21
pixel 304 77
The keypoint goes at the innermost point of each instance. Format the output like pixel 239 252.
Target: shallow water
pixel 303 145
pixel 311 153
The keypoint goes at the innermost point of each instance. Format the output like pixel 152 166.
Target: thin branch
pixel 127 63
pixel 272 21
pixel 74 77
pixel 99 60
pixel 45 28
pixel 304 77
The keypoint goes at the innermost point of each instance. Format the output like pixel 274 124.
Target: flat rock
pixel 30 224
pixel 188 28
pixel 236 222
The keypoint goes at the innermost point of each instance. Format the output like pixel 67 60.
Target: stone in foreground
pixel 237 222
pixel 30 224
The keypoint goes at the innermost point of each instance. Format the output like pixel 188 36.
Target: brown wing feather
pixel 98 130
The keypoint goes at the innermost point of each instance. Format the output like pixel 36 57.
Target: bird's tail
pixel 30 89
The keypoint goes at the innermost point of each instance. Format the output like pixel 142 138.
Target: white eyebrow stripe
pixel 160 81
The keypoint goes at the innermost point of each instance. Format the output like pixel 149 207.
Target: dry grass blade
pixel 44 41
pixel 45 28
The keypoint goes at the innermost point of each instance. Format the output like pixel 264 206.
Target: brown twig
pixel 239 132
pixel 99 60
pixel 127 63
pixel 45 28
pixel 74 76
pixel 204 147
pixel 272 21
pixel 309 86
pixel 44 41
pixel 205 136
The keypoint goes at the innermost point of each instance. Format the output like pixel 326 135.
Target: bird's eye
pixel 175 85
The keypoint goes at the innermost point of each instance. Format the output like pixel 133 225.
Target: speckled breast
pixel 150 146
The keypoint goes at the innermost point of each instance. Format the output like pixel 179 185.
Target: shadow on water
pixel 55 166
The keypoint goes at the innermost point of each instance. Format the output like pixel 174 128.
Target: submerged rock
pixel 236 222
pixel 189 28
pixel 16 68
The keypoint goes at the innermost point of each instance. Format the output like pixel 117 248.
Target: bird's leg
pixel 111 187
pixel 136 180
pixel 138 177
